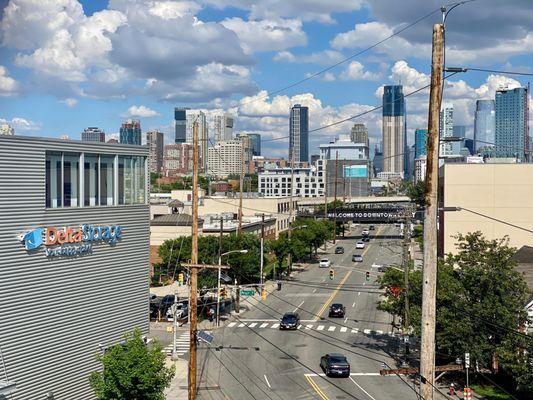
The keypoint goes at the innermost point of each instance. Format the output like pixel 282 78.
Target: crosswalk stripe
pixel 263 325
pixel 379 332
pixel 299 326
pixel 355 330
pixel 366 331
pixel 241 325
pixel 344 329
pixel 253 324
pixel 309 327
pixel 274 326
pixel 332 328
pixel 232 324
pixel 320 328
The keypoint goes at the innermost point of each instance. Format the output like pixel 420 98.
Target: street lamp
pixel 219 277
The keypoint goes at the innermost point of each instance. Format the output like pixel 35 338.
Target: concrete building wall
pixel 499 191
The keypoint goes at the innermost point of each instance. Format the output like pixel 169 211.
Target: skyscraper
pixel 203 135
pixel 299 133
pixel 223 126
pixel 446 120
pixel 255 142
pixel 421 139
pixel 130 132
pixel 155 142
pixel 359 134
pixel 180 122
pixel 93 134
pixel 512 128
pixel 394 130
pixel 484 126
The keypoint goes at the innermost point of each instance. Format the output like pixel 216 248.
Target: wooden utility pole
pixel 219 263
pixel 335 198
pixel 325 177
pixel 194 272
pixel 262 251
pixel 429 281
pixel 241 184
pixel 406 241
pixel 289 258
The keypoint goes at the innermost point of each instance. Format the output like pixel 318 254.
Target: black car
pixel 339 250
pixel 166 303
pixel 371 228
pixel 337 310
pixel 366 239
pixel 335 364
pixel 290 320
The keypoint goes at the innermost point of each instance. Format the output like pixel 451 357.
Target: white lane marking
pixel 332 328
pixel 263 325
pixel 252 325
pixel 351 374
pixel 344 329
pixel 268 383
pixel 274 326
pixel 353 305
pixel 359 386
pixel 309 327
pixel 379 332
pixel 366 331
pixel 256 320
pixel 320 328
pixel 345 319
pixel 241 325
pixel 314 290
pixel 299 326
pixel 299 305
pixel 232 324
pixel 355 330
pixel 359 293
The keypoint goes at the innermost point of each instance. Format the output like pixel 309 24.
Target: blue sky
pixel 66 65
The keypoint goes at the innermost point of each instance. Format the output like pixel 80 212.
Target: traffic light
pixel 331 274
pixel 367 276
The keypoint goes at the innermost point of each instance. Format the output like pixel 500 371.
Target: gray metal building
pixel 74 260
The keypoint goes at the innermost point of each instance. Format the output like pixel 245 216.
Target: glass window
pixel 90 171
pixel 107 181
pixel 53 180
pixel 125 180
pixel 140 182
pixel 71 185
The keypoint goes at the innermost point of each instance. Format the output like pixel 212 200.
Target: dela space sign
pixel 70 241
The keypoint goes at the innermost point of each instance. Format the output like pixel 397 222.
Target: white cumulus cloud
pixel 356 71
pixel 22 124
pixel 69 102
pixel 140 112
pixel 8 85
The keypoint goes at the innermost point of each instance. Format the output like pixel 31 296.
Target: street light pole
pixel 220 276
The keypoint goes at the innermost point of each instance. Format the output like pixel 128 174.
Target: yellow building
pixel 496 199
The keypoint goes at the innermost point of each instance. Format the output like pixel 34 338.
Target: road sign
pixel 467 360
pixel 247 292
pixel 205 336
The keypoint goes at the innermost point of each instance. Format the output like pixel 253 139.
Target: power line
pixel 314 75
pixel 496 71
pixel 495 219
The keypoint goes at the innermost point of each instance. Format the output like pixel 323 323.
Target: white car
pixel 324 263
pixel 365 232
pixel 360 245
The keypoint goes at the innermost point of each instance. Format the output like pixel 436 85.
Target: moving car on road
pixel 365 232
pixel 335 364
pixel 339 250
pixel 290 320
pixel 371 227
pixel 357 258
pixel 324 263
pixel 360 245
pixel 337 310
pixel 366 239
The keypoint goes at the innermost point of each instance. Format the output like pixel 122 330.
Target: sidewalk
pixel 178 386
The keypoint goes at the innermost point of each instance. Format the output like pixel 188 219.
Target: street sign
pixel 247 292
pixel 205 336
pixel 467 360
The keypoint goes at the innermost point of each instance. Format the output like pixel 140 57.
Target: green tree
pixel 132 371
pixel 416 192
pixel 480 305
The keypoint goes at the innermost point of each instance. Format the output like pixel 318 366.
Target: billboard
pixel 354 171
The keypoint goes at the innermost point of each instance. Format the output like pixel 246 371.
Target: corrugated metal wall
pixel 54 313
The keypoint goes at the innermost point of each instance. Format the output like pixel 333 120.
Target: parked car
pixel 337 310
pixel 357 258
pixel 371 228
pixel 335 364
pixel 290 320
pixel 365 232
pixel 360 245
pixel 166 303
pixel 324 263
pixel 339 250
pixel 366 239
pixel 182 311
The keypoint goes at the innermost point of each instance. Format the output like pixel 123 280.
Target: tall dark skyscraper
pixel 130 132
pixel 180 121
pixel 421 138
pixel 484 126
pixel 299 133
pixel 512 123
pixel 255 143
pixel 395 146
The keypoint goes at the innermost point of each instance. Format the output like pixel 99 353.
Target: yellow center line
pixel 319 391
pixel 342 282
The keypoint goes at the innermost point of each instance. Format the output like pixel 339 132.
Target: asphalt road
pixel 258 361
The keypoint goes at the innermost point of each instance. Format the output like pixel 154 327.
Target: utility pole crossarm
pixel 206 266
